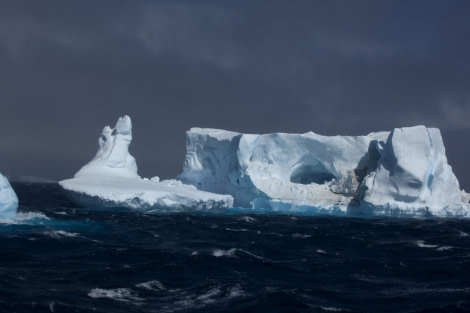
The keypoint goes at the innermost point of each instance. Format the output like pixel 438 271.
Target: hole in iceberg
pixel 307 174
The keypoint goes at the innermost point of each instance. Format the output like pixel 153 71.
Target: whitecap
pixel 444 248
pixel 237 229
pixel 248 219
pixel 215 294
pixel 321 251
pixel 421 244
pixel 231 252
pixel 151 285
pixel 219 252
pixel 297 235
pixel 209 296
pixel 26 218
pixel 7 221
pixel 463 234
pixel 60 234
pixel 119 294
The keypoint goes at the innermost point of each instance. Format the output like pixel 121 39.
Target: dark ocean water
pixel 59 258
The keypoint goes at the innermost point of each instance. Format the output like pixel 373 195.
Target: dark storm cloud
pixel 70 68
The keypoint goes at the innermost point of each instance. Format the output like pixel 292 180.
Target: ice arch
pixel 306 174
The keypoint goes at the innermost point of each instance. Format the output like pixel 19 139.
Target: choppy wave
pixel 172 300
pixel 151 285
pixel 118 294
pixel 66 259
pixel 219 252
pixel 26 218
pixel 60 234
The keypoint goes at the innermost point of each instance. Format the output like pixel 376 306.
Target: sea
pixel 57 257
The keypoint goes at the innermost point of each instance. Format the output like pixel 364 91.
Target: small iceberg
pixel 110 180
pixel 8 200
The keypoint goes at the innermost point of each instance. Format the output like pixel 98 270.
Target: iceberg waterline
pixel 402 172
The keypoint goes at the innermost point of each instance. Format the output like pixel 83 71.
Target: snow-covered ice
pixel 402 172
pixel 412 173
pixel 8 200
pixel 111 180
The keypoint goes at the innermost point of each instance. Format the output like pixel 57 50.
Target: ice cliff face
pixel 111 180
pixel 412 173
pixel 8 200
pixel 393 173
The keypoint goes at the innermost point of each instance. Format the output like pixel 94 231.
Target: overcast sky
pixel 68 68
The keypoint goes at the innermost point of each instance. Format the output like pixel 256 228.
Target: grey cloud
pixel 348 67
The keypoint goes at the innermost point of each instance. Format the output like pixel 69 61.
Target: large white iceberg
pixel 403 172
pixel 8 200
pixel 111 180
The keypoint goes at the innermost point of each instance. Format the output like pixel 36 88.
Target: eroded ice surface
pixel 403 172
pixel 8 200
pixel 111 180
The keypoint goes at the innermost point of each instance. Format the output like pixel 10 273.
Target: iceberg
pixel 8 200
pixel 399 173
pixel 110 180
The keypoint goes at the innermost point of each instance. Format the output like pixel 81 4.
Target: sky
pixel 69 68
